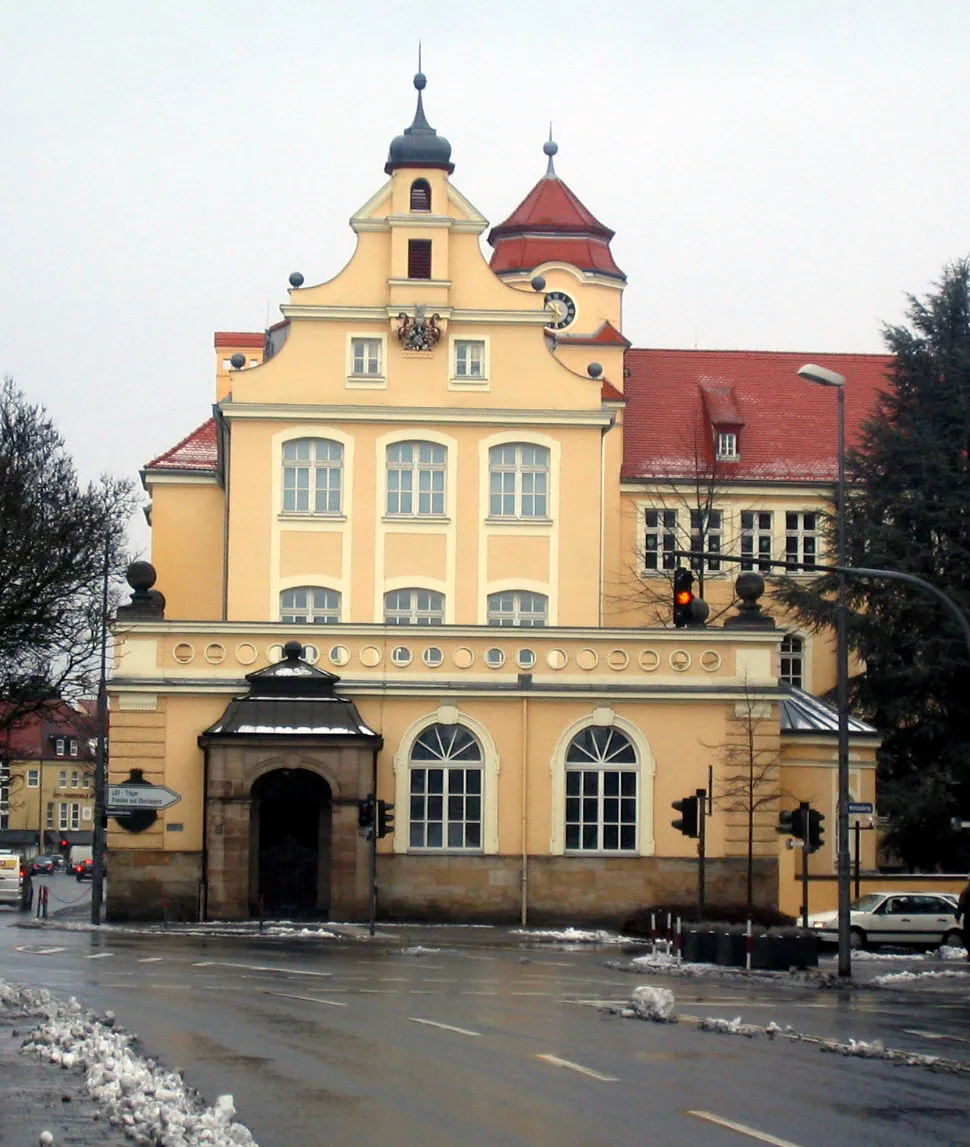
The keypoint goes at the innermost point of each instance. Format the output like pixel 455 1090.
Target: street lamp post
pixel 824 377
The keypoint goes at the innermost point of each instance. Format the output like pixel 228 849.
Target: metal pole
pixel 857 829
pixel 701 849
pixel 372 866
pixel 842 690
pixel 805 806
pixel 100 778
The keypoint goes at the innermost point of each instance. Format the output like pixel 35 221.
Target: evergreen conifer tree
pixel 908 509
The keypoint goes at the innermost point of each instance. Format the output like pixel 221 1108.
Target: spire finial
pixel 550 147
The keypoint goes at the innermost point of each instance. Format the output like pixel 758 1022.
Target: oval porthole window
pixel 433 657
pixel 370 656
pixel 214 653
pixel 339 655
pixel 556 659
pixel 618 659
pixel 275 653
pixel 525 658
pixel 710 660
pixel 463 657
pixel 183 653
pixel 401 656
pixel 649 660
pixel 494 658
pixel 246 653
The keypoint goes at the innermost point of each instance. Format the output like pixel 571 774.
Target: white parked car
pixel 895 918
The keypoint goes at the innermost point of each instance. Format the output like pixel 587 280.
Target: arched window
pixel 518 481
pixel 312 476
pixel 518 607
pixel 420 195
pixel 310 605
pixel 416 478
pixel 792 660
pixel 601 791
pixel 446 767
pixel 414 607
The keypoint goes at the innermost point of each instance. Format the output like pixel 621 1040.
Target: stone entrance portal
pixel 286 765
pixel 290 839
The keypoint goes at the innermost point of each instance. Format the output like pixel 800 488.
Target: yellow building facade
pixel 423 480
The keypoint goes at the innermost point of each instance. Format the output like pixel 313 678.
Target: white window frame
pixel 793 661
pixel 660 539
pixel 60 747
pixel 458 755
pixel 366 379
pixel 50 814
pixel 421 481
pixel 62 779
pixel 33 778
pixel 757 538
pixel 418 611
pixel 63 813
pixel 461 377
pixel 599 767
pixel 519 496
pixel 317 464
pixel 517 614
pixel 325 612
pixel 710 539
pixel 802 541
pixel 727 446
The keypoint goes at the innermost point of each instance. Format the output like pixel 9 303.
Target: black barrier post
pixel 701 850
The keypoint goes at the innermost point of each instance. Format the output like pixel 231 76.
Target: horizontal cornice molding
pixel 456 415
pixel 537 318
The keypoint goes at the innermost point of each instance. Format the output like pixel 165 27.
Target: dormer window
pixel 727 446
pixel 420 195
pixel 419 258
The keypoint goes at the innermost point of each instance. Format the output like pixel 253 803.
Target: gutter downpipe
pixel 524 797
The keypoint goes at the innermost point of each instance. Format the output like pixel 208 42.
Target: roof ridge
pixel 173 450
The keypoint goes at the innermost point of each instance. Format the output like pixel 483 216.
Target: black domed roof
pixel 420 145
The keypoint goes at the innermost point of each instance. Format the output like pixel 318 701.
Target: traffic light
pixel 365 812
pixel 815 837
pixel 385 818
pixel 687 822
pixel 794 822
pixel 683 597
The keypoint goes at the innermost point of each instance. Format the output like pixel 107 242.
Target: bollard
pixel 679 942
pixel 260 913
pixel 747 946
pixel 653 930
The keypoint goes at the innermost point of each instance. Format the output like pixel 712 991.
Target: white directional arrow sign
pixel 129 798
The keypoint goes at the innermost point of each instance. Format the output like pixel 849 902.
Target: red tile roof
pixel 238 338
pixel 607 335
pixel 197 451
pixel 609 393
pixel 788 429
pixel 552 225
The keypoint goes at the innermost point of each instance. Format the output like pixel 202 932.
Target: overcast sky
pixel 779 174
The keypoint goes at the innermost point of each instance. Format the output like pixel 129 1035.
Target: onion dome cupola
pixel 419 145
pixel 551 225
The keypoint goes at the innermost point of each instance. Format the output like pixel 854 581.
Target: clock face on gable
pixel 563 309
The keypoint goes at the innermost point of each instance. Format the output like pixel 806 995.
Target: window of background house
pixel 792 664
pixel 416 478
pixel 446 789
pixel 601 792
pixel 469 358
pixel 727 446
pixel 420 195
pixel 312 476
pixel 518 607
pixel 801 537
pixel 705 536
pixel 518 481
pixel 419 258
pixel 756 527
pixel 366 356
pixel 33 778
pixel 310 605
pixel 414 607
pixel 660 539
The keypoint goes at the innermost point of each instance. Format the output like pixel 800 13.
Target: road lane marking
pixel 447 1027
pixel 258 968
pixel 150 960
pixel 308 999
pixel 935 1035
pixel 38 951
pixel 557 1062
pixel 751 1132
pixel 99 956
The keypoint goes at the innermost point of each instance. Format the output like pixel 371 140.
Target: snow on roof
pixel 197 451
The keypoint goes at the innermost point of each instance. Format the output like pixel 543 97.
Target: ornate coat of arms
pixel 419 333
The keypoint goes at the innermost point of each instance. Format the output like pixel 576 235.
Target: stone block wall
pixel 148 885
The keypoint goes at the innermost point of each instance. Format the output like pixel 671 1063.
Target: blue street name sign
pixel 861 808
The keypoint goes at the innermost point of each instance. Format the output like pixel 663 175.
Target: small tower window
pixel 419 258
pixel 420 195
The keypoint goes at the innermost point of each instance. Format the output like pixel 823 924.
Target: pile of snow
pixel 572 935
pixel 655 1004
pixel 149 1103
pixel 947 952
pixel 654 962
pixel 892 979
pixel 419 950
pixel 730 1027
pixel 866 954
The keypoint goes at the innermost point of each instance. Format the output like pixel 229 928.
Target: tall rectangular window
pixel 366 355
pixel 419 258
pixel 33 778
pixel 312 476
pixel 62 779
pixel 792 661
pixel 660 539
pixel 469 358
pixel 756 527
pixel 50 814
pixel 518 481
pixel 801 537
pixel 416 478
pixel 705 537
pixel 727 446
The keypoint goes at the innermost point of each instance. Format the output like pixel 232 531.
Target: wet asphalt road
pixel 486 1042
